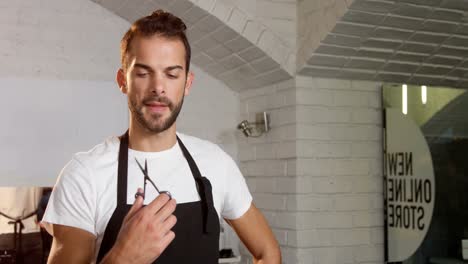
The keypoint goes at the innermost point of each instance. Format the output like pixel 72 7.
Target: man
pixel 94 213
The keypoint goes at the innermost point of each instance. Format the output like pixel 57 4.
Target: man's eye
pixel 142 74
pixel 172 76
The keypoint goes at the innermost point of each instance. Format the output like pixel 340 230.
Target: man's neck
pixel 143 140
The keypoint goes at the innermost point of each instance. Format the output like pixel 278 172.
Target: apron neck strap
pixel 122 170
pixel 193 166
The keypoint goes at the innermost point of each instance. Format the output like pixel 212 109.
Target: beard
pixel 155 122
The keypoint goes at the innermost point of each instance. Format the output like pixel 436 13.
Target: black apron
pixel 197 228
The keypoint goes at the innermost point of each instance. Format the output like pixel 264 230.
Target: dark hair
pixel 158 23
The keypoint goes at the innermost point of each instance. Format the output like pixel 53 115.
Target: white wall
pixel 317 175
pixel 45 121
pixel 55 39
pixel 339 199
pixel 211 111
pixel 59 59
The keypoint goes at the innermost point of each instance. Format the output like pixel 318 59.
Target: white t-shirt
pixel 85 195
pixel 18 202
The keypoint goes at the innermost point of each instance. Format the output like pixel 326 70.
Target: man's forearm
pixel 116 256
pixel 110 258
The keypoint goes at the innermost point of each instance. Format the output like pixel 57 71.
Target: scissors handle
pixel 140 194
pixel 143 194
pixel 167 193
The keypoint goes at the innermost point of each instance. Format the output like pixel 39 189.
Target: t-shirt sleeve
pixel 237 198
pixel 72 202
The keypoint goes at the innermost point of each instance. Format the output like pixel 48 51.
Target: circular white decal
pixel 410 186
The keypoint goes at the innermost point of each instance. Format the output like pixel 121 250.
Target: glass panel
pixel 443 119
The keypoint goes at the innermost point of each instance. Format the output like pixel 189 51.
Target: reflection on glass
pixel 404 92
pixel 424 94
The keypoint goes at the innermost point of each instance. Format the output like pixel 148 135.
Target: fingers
pixel 166 240
pixel 166 211
pixel 136 205
pixel 168 224
pixel 157 203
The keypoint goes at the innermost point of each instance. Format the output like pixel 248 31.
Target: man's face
pixel 155 81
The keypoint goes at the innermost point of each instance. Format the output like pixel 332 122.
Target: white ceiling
pixel 405 41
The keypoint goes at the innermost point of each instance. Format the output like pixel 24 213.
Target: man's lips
pixel 156 106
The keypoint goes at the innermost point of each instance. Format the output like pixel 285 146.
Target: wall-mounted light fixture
pixel 257 128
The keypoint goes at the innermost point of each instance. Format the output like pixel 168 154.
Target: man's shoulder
pixel 197 146
pixel 103 152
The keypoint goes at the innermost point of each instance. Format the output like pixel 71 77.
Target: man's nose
pixel 157 84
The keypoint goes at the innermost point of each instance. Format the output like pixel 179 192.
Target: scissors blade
pixel 145 172
pixel 146 167
pixel 141 168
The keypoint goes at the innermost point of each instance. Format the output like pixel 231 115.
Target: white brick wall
pixel 266 159
pixel 317 174
pixel 51 39
pixel 269 24
pixel 278 15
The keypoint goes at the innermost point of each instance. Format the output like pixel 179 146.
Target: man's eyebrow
pixel 170 68
pixel 144 66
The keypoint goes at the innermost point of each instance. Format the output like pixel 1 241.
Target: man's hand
pixel 145 232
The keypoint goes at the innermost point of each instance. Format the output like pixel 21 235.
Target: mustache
pixel 159 99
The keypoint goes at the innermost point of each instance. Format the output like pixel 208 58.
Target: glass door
pixel 441 116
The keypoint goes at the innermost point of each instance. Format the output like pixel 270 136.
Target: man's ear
pixel 121 80
pixel 188 83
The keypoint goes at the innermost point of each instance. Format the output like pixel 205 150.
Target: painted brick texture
pixel 314 20
pixel 269 24
pixel 317 175
pixel 51 40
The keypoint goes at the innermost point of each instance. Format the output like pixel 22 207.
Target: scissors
pixel 147 178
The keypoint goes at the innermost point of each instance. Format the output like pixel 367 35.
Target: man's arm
pixel 254 232
pixel 144 235
pixel 71 245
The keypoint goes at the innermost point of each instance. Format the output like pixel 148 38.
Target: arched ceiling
pixel 226 42
pixel 405 41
